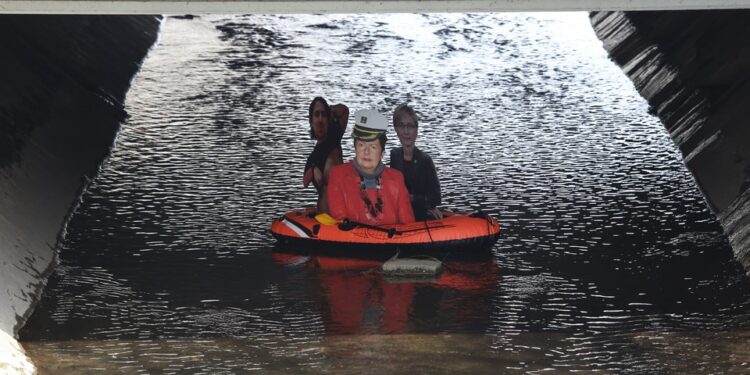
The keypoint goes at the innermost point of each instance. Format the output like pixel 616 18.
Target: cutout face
pixel 319 121
pixel 406 130
pixel 368 154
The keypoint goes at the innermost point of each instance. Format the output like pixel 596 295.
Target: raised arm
pixel 341 113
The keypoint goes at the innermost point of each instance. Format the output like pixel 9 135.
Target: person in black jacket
pixel 419 171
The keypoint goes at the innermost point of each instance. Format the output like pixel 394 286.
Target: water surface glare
pixel 609 260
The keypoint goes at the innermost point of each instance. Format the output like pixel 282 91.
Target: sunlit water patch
pixel 608 260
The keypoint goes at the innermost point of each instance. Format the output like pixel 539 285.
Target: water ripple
pixel 609 260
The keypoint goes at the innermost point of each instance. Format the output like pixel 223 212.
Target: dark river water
pixel 608 262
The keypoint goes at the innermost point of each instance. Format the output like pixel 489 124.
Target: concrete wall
pixel 346 6
pixel 692 67
pixel 64 81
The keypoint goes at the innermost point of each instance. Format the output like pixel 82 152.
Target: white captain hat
pixel 369 124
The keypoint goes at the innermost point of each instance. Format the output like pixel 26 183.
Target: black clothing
pixel 421 180
pixel 319 154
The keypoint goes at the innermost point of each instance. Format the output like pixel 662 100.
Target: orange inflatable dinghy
pixel 454 230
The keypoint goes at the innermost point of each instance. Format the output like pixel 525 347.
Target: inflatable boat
pixel 304 228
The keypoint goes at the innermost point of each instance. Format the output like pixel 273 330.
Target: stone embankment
pixel 64 80
pixel 692 68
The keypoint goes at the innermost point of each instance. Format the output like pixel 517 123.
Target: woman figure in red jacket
pixel 364 190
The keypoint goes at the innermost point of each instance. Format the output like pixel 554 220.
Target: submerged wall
pixel 64 80
pixel 692 67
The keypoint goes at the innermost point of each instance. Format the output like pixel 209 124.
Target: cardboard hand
pixel 307 178
pixel 311 174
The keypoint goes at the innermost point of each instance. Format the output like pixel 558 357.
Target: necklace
pixel 373 210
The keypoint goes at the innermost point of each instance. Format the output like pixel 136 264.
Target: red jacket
pixel 345 199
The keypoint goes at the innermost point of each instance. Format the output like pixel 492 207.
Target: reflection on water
pixel 357 298
pixel 609 260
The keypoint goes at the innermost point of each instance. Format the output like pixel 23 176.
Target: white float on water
pixel 412 268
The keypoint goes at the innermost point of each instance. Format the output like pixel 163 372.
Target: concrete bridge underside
pixel 131 7
pixel 65 78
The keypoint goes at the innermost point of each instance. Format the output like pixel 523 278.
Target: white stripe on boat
pixel 295 228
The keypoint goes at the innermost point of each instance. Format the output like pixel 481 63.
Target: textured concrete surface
pixel 691 67
pixel 64 82
pixel 345 6
pixel 689 352
pixel 13 359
